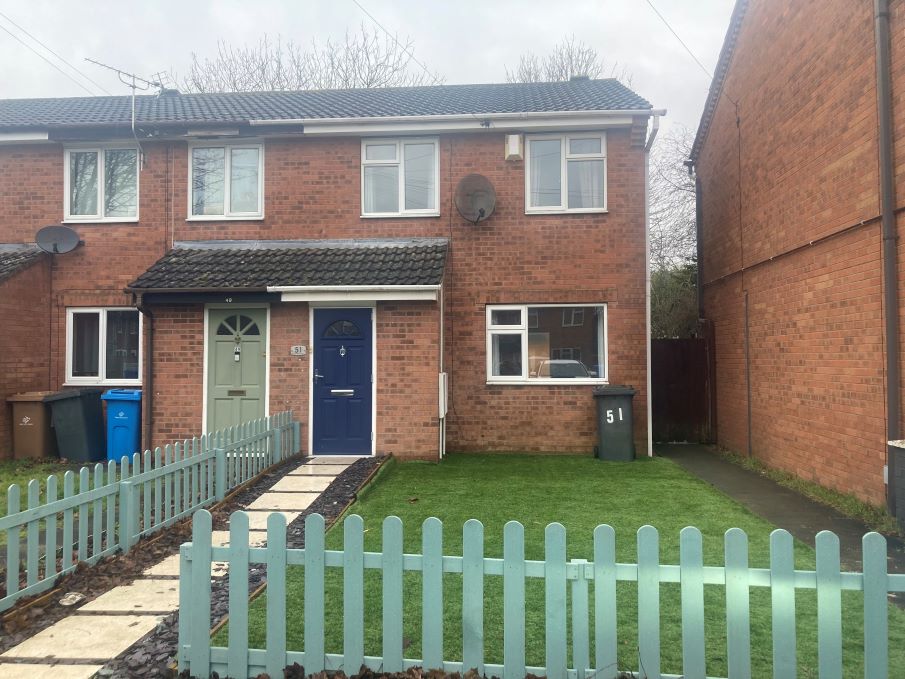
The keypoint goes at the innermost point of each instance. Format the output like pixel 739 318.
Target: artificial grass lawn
pixel 580 493
pixel 22 471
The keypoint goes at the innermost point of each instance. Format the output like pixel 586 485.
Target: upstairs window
pixel 103 346
pixel 399 177
pixel 101 184
pixel 226 182
pixel 566 173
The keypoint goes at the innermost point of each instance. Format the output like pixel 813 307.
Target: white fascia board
pixel 22 137
pixel 559 120
pixel 356 293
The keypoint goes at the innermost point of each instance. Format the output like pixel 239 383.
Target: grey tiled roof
pixel 240 107
pixel 14 258
pixel 255 265
pixel 719 76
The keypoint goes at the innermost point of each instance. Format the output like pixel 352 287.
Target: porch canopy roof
pixel 15 257
pixel 300 270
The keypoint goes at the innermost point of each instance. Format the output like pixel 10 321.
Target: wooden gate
pixel 680 389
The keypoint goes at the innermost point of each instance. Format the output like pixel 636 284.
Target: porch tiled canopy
pixel 15 258
pixel 262 265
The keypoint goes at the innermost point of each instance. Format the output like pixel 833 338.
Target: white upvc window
pixel 101 184
pixel 400 177
pixel 103 345
pixel 565 173
pixel 533 344
pixel 226 181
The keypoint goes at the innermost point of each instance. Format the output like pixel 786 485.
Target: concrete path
pixel 79 645
pixel 801 516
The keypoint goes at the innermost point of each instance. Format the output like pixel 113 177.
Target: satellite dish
pixel 57 239
pixel 475 198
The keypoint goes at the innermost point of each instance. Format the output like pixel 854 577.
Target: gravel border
pixel 153 655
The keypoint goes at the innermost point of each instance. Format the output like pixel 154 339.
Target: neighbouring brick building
pixel 247 253
pixel 790 171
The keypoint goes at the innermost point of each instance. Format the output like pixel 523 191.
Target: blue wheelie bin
pixel 123 422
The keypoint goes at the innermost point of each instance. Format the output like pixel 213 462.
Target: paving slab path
pixel 79 645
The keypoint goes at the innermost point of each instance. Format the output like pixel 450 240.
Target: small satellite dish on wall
pixel 475 198
pixel 57 239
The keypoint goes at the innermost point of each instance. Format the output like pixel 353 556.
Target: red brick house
pixel 248 253
pixel 799 160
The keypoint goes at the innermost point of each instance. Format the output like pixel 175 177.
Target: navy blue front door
pixel 342 365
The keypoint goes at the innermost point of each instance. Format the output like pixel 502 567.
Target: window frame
pixel 400 143
pixel 100 217
pixel 102 347
pixel 565 157
pixel 227 184
pixel 523 330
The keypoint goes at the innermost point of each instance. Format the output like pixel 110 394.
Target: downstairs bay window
pixel 103 346
pixel 546 343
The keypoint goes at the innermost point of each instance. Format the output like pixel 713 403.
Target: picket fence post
pixel 199 633
pixel 580 640
pixel 12 541
pixel 876 606
pixel 314 593
pixel 185 606
pixel 277 456
pixel 219 474
pixel 128 518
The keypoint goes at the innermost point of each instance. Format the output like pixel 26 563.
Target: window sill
pixel 578 381
pixel 402 215
pixel 112 384
pixel 103 220
pixel 222 218
pixel 590 211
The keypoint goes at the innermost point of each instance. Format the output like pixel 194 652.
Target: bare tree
pixel 569 58
pixel 362 59
pixel 673 288
pixel 672 200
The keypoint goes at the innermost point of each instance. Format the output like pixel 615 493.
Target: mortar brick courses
pixel 312 191
pixel 800 166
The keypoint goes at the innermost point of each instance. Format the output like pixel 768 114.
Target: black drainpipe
pixel 888 223
pixel 699 242
pixel 148 392
pixel 748 374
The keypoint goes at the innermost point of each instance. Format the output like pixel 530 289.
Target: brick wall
pixel 178 359
pixel 312 190
pixel 24 332
pixel 408 366
pixel 803 77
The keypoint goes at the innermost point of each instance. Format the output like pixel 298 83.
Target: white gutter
pixel 22 137
pixel 655 127
pixel 355 293
pixel 465 121
pixel 524 115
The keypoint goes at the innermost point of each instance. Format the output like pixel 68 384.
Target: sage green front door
pixel 236 366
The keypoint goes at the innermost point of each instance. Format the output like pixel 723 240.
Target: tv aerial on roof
pixel 57 239
pixel 475 198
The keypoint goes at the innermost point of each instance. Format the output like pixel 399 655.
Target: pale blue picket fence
pixel 115 505
pixel 566 585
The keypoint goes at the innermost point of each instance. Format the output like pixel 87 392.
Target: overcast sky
pixel 466 41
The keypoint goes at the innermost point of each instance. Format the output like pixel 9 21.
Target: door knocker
pixel 238 350
pixel 342 350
